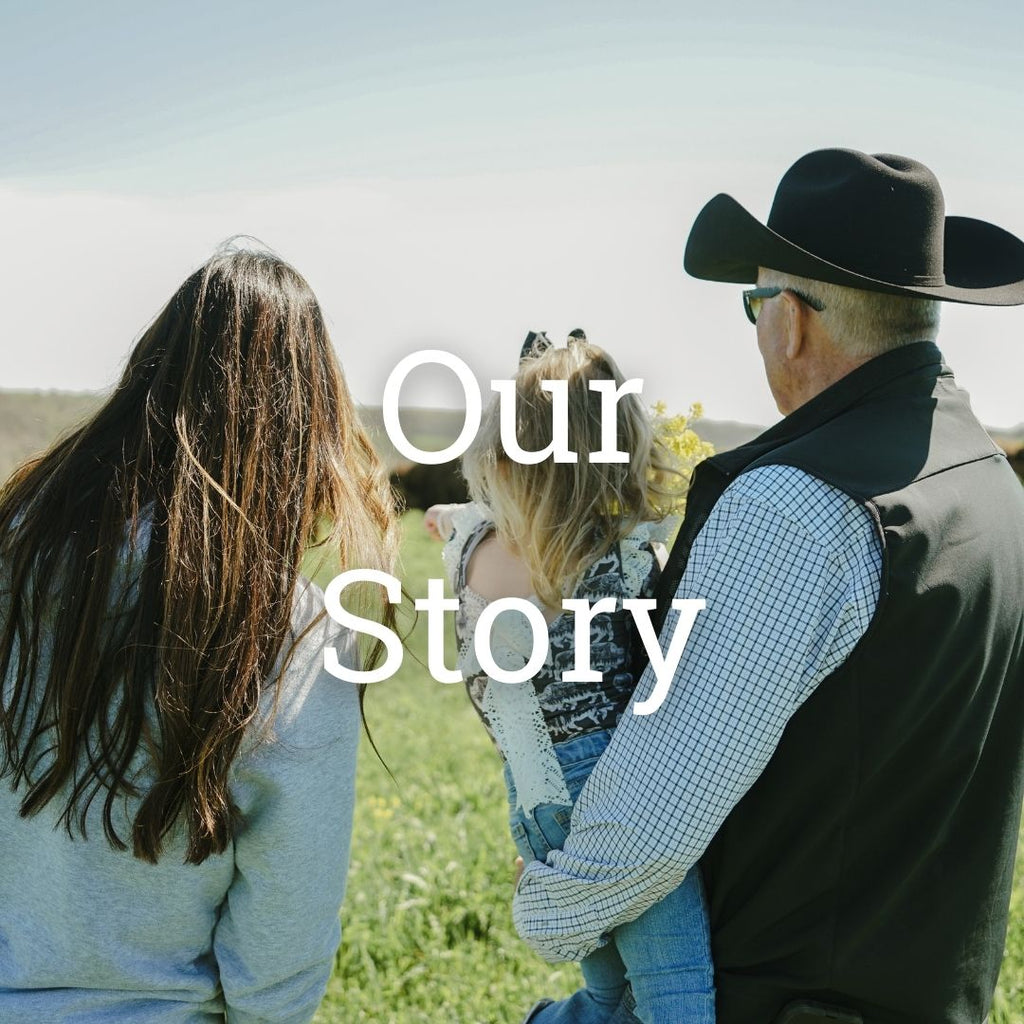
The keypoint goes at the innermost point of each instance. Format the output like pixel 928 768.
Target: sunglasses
pixel 755 298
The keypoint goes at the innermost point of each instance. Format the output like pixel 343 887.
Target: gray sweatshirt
pixel 90 934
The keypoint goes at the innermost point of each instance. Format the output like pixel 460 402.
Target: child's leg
pixel 535 835
pixel 605 977
pixel 577 1009
pixel 667 954
pixel 603 971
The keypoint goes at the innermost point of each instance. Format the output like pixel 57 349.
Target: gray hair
pixel 864 324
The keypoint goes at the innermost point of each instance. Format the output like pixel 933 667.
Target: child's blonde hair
pixel 561 517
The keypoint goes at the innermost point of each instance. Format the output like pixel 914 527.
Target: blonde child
pixel 586 530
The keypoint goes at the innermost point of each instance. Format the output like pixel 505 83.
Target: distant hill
pixel 1012 435
pixel 30 421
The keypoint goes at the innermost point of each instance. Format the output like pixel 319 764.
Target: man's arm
pixel 790 570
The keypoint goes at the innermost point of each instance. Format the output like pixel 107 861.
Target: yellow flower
pixel 681 440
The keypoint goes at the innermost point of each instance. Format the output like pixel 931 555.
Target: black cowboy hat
pixel 872 222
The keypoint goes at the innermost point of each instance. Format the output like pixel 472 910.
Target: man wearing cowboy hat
pixel 842 749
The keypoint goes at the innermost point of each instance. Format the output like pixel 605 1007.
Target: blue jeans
pixel 664 955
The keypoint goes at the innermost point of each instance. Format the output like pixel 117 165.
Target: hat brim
pixel 984 265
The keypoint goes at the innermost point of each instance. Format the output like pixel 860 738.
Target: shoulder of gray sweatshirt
pixel 90 934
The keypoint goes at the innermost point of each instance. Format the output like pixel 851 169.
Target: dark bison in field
pixel 421 486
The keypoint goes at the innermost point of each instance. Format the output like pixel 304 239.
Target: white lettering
pixel 389 406
pixel 559 389
pixel 482 639
pixel 610 396
pixel 664 666
pixel 393 645
pixel 583 614
pixel 435 604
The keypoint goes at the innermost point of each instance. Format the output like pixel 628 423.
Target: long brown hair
pixel 228 449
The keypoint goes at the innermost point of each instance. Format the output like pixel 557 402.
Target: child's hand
pixel 431 521
pixel 519 871
pixel 437 521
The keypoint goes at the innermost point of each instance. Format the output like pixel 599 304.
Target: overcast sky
pixel 451 175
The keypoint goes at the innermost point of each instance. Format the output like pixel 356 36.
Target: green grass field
pixel 427 931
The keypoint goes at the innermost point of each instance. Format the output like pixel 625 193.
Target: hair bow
pixel 538 342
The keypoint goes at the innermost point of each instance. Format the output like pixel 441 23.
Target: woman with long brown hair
pixel 177 767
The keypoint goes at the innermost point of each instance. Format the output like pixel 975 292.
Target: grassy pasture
pixel 427 931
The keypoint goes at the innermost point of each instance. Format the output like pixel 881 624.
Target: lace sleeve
pixel 663 531
pixel 638 557
pixel 466 520
pixel 517 720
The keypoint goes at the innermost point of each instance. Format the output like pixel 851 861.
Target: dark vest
pixel 871 863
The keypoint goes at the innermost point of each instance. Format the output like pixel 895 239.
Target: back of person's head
pixel 229 447
pixel 863 324
pixel 560 517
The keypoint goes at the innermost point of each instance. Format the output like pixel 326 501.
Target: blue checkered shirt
pixel 790 570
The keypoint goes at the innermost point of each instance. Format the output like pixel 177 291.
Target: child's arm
pixel 437 520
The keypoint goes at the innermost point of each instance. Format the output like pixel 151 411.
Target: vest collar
pixel 893 370
pixel 873 376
